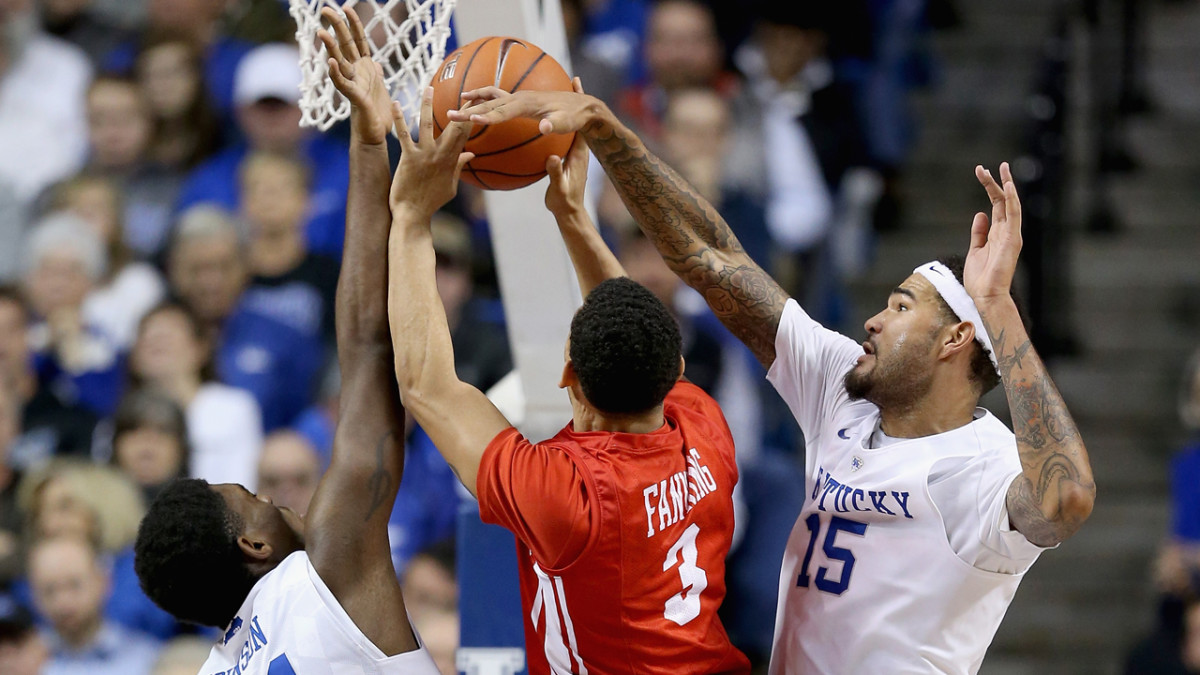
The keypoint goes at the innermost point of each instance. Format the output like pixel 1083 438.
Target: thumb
pixel 979 231
pixel 554 168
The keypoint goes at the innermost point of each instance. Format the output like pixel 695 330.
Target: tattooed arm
pixel 689 233
pixel 346 525
pixel 1055 493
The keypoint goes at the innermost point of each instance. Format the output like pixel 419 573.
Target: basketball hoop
pixel 406 37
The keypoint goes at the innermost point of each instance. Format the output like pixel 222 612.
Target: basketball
pixel 512 154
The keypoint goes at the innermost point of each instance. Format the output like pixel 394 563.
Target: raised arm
pixel 346 526
pixel 459 419
pixel 688 232
pixel 1056 491
pixel 591 257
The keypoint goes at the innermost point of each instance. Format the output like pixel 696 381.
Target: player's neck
pixel 587 418
pixel 940 410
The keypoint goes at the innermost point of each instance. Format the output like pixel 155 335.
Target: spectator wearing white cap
pixel 266 99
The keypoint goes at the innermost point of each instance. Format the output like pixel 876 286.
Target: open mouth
pixel 868 348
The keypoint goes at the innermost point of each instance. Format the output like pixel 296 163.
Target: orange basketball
pixel 511 154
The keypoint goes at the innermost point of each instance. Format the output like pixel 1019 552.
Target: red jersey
pixel 621 541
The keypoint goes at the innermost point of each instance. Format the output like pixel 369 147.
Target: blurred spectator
pixel 600 61
pixel 224 425
pixel 288 470
pixel 431 596
pixel 101 505
pixel 198 23
pixel 426 508
pixel 150 440
pixel 119 125
pixel 10 515
pixel 121 128
pixel 169 71
pixel 268 113
pixel 23 651
pixel 682 49
pixel 700 141
pixel 481 353
pixel 69 588
pixel 81 499
pixel 129 287
pixel 65 261
pixel 46 425
pixel 78 23
pixel 42 129
pixel 184 655
pixel 289 282
pixel 271 360
pixel 1174 648
pixel 804 128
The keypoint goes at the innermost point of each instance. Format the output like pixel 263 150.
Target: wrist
pixel 408 212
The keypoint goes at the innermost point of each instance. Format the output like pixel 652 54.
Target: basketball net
pixel 406 37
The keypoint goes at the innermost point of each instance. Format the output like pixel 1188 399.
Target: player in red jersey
pixel 623 519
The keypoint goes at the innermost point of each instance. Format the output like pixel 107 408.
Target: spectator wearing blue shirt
pixel 266 99
pixel 69 589
pixel 64 261
pixel 1179 564
pixel 275 362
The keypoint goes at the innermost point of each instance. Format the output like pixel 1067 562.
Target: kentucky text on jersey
pixel 834 495
pixel 256 640
pixel 678 493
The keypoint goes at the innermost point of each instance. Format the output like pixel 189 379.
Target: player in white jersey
pixel 318 595
pixel 923 510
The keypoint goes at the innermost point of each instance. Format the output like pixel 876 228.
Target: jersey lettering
pixel 673 497
pixel 843 498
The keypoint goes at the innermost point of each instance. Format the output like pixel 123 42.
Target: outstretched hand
pixel 568 175
pixel 992 258
pixel 560 112
pixel 359 78
pixel 427 176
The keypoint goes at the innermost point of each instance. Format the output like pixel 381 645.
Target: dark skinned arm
pixel 346 528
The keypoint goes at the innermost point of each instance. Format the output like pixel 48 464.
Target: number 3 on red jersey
pixel 685 605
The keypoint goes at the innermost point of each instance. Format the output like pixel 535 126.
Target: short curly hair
pixel 187 558
pixel 625 347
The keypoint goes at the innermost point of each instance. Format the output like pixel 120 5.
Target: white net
pixel 407 37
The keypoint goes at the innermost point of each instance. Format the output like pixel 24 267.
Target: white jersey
pixel 876 578
pixel 291 624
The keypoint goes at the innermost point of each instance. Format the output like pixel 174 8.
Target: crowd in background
pixel 169 247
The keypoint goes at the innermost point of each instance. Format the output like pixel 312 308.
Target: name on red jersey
pixel 674 496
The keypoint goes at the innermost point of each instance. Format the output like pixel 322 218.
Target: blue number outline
pixel 832 551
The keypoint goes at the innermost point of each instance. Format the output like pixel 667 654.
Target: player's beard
pixel 897 379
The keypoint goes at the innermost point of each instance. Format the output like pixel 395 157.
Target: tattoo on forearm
pixel 1052 452
pixel 689 233
pixel 380 482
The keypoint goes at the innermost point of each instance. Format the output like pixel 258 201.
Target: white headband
pixel 960 302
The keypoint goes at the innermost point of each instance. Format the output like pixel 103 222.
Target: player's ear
pixel 682 365
pixel 255 550
pixel 569 378
pixel 957 338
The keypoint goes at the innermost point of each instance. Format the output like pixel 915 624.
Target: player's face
pixel 896 366
pixel 280 527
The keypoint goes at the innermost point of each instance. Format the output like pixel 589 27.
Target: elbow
pixel 1076 504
